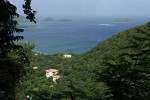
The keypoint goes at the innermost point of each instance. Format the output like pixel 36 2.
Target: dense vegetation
pixel 117 69
pixel 14 57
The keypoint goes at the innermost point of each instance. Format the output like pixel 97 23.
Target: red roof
pixel 56 76
pixel 52 70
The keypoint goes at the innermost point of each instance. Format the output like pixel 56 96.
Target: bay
pixel 77 36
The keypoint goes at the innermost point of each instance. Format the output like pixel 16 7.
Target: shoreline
pixel 28 26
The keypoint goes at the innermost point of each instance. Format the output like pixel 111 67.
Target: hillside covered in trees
pixel 116 69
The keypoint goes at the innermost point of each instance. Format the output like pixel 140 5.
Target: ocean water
pixel 78 35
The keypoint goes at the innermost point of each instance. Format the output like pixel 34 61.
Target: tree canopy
pixel 116 69
pixel 13 56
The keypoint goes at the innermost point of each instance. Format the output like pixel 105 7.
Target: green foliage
pixel 127 75
pixel 29 11
pixel 14 66
pixel 116 69
pixel 13 57
pixel 8 27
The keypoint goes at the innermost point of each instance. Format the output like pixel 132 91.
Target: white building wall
pixel 67 56
pixel 49 74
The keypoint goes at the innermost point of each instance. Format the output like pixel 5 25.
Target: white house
pixel 35 67
pixel 67 56
pixel 55 77
pixel 51 72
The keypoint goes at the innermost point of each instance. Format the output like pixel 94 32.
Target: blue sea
pixel 77 36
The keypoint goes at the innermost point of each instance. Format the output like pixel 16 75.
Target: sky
pixel 88 7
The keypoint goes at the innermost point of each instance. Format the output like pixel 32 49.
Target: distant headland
pixel 27 26
pixel 58 20
pixel 48 19
pixel 21 19
pixel 122 21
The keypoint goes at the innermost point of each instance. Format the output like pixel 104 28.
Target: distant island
pixel 59 20
pixel 27 26
pixel 48 19
pixel 122 21
pixel 21 19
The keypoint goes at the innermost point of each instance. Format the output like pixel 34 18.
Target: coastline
pixel 28 26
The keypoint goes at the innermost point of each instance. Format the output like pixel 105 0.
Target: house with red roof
pixel 55 77
pixel 51 72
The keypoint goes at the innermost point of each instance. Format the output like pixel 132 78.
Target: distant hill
pixel 59 20
pixel 80 74
pixel 109 47
pixel 21 19
pixel 48 19
pixel 27 26
pixel 122 21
